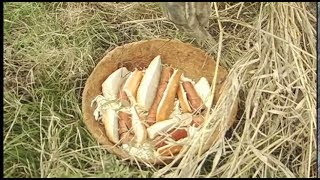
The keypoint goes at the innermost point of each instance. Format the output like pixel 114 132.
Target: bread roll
pixel 149 84
pixel 110 122
pixel 166 73
pixel 161 127
pixel 203 89
pixel 166 104
pixel 182 96
pixel 132 84
pixel 140 133
pixel 111 86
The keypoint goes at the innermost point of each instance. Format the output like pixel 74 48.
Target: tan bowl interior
pixel 192 61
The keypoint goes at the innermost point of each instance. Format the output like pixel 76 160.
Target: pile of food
pixel 152 112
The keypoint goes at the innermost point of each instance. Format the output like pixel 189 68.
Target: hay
pixel 276 78
pixel 270 51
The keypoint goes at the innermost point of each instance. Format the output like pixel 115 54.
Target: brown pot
pixel 194 63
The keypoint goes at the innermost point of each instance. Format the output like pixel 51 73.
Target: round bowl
pixel 192 61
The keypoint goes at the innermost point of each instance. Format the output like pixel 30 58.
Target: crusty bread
pixel 203 89
pixel 110 122
pixel 194 99
pixel 173 148
pixel 166 104
pixel 111 86
pixel 149 84
pixel 140 132
pixel 170 150
pixel 125 123
pixel 166 73
pixel 161 127
pixel 182 96
pixel 131 85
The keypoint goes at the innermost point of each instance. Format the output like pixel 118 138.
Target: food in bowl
pixel 151 112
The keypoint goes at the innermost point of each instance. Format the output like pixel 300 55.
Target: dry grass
pixel 51 48
pixel 276 134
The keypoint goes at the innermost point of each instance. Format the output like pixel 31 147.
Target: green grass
pixel 51 48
